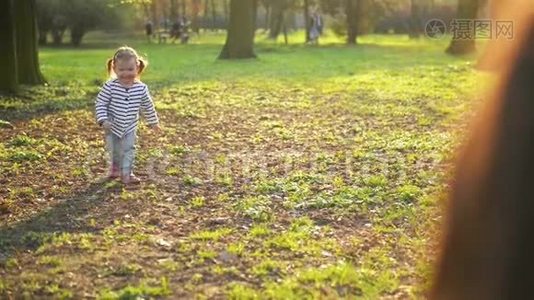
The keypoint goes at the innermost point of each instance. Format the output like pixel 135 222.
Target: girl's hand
pixel 106 125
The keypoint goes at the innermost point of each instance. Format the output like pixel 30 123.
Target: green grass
pixel 312 172
pixel 197 61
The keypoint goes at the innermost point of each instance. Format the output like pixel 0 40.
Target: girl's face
pixel 126 70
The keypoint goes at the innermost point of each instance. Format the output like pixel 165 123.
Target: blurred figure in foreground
pixel 487 250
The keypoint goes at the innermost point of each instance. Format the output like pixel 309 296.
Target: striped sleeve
pixel 147 105
pixel 102 103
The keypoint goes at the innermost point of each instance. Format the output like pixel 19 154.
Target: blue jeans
pixel 121 151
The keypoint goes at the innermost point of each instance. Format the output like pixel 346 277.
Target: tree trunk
pixel 213 15
pixel 43 36
pixel 184 10
pixel 240 37
pixel 277 15
pixel 76 34
pixel 57 36
pixel 8 53
pixel 26 36
pixel 284 30
pixel 155 16
pixel 44 24
pixel 467 9
pixel 195 11
pixel 205 15
pixel 254 18
pixel 352 21
pixel 59 25
pixel 226 12
pixel 174 10
pixel 267 16
pixel 414 29
pixel 146 11
pixel 307 21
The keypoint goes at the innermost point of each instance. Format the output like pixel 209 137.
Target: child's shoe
pixel 131 179
pixel 114 172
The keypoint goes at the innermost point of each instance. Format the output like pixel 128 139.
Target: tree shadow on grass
pixel 31 102
pixel 69 215
pixel 42 109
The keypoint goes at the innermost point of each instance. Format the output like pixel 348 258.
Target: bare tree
pixel 18 40
pixel 352 11
pixel 467 10
pixel 205 14
pixel 276 18
pixel 213 14
pixel 267 7
pixel 174 10
pixel 8 53
pixel 307 21
pixel 240 37
pixel 226 11
pixel 416 11
pixel 26 36
pixel 195 10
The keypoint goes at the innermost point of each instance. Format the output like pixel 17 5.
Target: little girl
pixel 117 110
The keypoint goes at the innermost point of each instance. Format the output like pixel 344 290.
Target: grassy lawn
pixel 311 172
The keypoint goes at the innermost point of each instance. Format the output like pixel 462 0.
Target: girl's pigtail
pixel 142 65
pixel 109 65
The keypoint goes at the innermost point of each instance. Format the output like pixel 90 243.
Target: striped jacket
pixel 121 106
